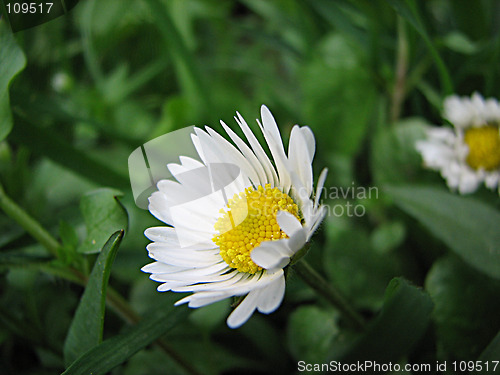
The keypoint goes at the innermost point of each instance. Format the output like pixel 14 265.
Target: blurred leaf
pixel 340 15
pixel 116 350
pixel 187 70
pixel 459 42
pixel 467 226
pixel 394 157
pixel 69 241
pixel 211 358
pixel 68 234
pixel 45 142
pixel 356 269
pixel 9 231
pixel 401 323
pixel 15 257
pixel 86 328
pixel 464 300
pixel 388 236
pixel 12 61
pixel 310 332
pixel 335 82
pixel 103 214
pixel 151 362
pixel 261 333
pixel 408 10
pixel 476 23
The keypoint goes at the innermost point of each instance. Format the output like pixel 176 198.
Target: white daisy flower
pixel 468 154
pixel 217 247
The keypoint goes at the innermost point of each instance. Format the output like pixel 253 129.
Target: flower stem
pixel 400 89
pixel 322 287
pixel 31 226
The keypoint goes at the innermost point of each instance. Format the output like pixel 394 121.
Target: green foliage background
pixel 78 94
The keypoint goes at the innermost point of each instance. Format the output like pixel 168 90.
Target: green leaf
pixel 311 331
pixel 469 227
pixel 116 350
pixel 103 214
pixel 86 328
pixel 12 61
pixel 464 300
pixel 394 157
pixel 397 329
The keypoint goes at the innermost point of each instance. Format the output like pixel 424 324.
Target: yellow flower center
pixel 484 147
pixel 249 219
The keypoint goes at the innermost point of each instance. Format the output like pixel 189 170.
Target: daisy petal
pixel 244 310
pixel 271 255
pixel 288 222
pixel 272 296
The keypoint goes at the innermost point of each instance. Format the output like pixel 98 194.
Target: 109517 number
pixel 29 8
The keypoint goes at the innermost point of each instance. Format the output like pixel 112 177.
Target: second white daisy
pixel 469 154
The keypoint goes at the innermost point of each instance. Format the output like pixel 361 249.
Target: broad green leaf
pixel 464 300
pixel 86 328
pixel 310 332
pixel 393 334
pixel 469 227
pixel 116 350
pixel 103 214
pixel 12 61
pixel 394 157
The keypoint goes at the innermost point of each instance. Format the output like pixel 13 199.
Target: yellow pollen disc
pixel 249 219
pixel 484 147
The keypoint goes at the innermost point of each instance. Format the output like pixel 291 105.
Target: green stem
pixel 31 226
pixel 322 287
pixel 399 90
